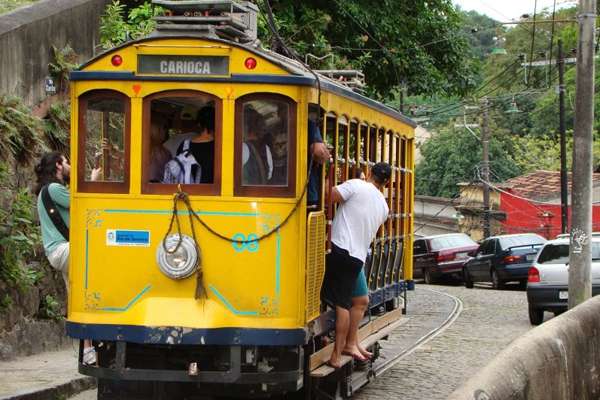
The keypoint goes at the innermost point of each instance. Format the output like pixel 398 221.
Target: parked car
pixel 548 282
pixel 501 259
pixel 442 255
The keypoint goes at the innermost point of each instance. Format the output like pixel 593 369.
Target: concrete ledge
pixel 559 360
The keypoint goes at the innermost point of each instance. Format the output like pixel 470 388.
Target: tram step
pixel 368 335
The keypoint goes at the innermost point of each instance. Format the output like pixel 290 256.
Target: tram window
pixel 104 136
pixel 180 142
pixel 265 145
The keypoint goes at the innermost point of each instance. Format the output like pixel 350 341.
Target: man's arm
pixel 342 192
pixel 336 197
pixel 318 149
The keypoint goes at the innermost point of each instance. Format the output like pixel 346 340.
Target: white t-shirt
pixel 357 219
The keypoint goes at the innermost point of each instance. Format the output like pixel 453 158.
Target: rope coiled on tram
pixel 181 196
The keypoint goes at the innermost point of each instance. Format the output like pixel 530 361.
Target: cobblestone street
pixel 489 321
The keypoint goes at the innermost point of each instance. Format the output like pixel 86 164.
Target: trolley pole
pixel 485 168
pixel 564 196
pixel 580 288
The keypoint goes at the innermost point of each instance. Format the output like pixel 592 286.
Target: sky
pixel 508 10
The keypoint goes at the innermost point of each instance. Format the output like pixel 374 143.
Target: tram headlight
pixel 178 264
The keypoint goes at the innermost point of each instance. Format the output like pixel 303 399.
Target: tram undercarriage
pixel 134 371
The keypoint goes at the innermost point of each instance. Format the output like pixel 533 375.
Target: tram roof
pixel 301 74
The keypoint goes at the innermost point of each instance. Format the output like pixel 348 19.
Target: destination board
pixel 183 65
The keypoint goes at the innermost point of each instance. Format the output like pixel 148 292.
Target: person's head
pixel 279 145
pixel 360 175
pixel 206 119
pixel 53 167
pixel 254 123
pixel 380 173
pixel 158 132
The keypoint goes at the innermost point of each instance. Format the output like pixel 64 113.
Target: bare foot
pixel 334 362
pixel 355 353
pixel 364 352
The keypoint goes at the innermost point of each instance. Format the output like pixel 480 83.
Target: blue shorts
pixel 360 288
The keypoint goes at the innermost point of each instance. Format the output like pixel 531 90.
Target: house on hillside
pixel 527 203
pixel 434 216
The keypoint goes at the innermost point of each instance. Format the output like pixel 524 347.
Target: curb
pixel 61 391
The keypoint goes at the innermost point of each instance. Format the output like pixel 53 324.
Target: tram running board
pixel 368 335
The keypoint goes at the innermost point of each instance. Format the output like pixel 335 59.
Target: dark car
pixel 501 259
pixel 442 255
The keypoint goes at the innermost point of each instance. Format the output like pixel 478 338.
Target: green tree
pixel 453 155
pixel 417 43
pixel 120 23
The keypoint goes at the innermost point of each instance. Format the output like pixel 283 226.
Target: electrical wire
pixel 552 35
pixel 385 49
pixel 459 104
pixel 532 42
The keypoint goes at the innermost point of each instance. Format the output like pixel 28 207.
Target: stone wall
pixel 28 34
pixel 559 360
pixel 24 330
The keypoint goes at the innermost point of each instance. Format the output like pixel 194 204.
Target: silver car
pixel 548 278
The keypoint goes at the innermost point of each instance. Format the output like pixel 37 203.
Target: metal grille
pixel 315 263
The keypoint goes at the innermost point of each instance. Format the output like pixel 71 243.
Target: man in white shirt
pixel 361 212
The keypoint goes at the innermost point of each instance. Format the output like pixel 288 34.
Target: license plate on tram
pixel 563 295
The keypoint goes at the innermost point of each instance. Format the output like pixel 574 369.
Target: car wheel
pixel 523 284
pixel 428 277
pixel 467 279
pixel 536 315
pixel 496 282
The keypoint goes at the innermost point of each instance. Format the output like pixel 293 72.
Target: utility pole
pixel 485 168
pixel 580 254
pixel 564 196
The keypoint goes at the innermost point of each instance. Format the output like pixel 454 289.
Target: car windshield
pixel 521 240
pixel 451 241
pixel 559 253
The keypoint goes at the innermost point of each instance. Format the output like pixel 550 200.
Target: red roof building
pixel 531 203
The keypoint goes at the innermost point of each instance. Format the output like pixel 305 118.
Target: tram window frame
pixel 88 186
pixel 265 190
pixel 209 189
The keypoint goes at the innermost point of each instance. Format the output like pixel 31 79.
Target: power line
pixel 552 32
pixel 385 49
pixel 532 42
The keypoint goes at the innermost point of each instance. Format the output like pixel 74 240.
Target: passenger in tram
pixel 257 160
pixel 194 162
pixel 280 159
pixel 188 128
pixel 159 155
pixel 354 227
pixel 320 154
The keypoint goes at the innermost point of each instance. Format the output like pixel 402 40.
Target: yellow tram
pixel 236 309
